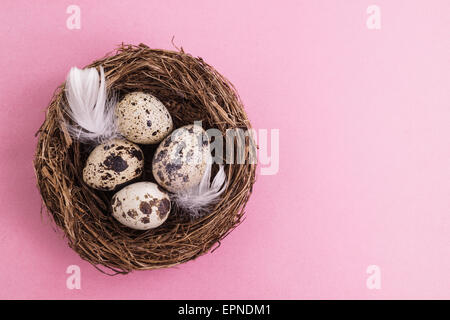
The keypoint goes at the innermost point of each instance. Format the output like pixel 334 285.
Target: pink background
pixel 364 144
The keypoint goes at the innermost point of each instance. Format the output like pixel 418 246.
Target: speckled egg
pixel 113 163
pixel 142 118
pixel 141 206
pixel 180 159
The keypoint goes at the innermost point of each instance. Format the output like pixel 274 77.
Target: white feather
pixel 197 199
pixel 89 107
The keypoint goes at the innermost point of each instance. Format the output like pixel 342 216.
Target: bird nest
pixel 191 90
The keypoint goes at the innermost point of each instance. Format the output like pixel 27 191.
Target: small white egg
pixel 180 159
pixel 113 163
pixel 141 206
pixel 142 118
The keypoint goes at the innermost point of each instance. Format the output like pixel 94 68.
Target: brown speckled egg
pixel 141 206
pixel 180 159
pixel 113 163
pixel 142 118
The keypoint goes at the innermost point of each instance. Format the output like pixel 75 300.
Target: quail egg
pixel 141 206
pixel 180 160
pixel 113 163
pixel 142 118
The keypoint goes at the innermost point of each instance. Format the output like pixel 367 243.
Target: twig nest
pixel 180 160
pixel 191 90
pixel 113 163
pixel 141 206
pixel 142 118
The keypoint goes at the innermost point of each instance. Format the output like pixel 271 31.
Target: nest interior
pixel 192 90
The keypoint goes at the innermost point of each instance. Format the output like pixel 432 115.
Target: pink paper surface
pixel 363 117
